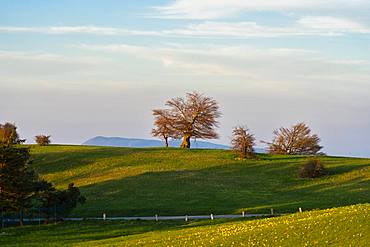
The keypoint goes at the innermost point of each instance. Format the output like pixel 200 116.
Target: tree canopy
pixel 164 128
pixel 19 184
pixel 294 140
pixel 42 140
pixel 21 188
pixel 9 134
pixel 194 116
pixel 243 141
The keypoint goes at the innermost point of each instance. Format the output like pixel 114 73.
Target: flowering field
pixel 343 226
pixel 347 226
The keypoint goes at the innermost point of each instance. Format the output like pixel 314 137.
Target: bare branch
pixel 192 117
pixel 243 142
pixel 295 140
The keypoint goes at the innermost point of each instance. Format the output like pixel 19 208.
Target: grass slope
pixel 344 226
pixel 127 181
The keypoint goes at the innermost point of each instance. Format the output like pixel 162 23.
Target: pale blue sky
pixel 77 69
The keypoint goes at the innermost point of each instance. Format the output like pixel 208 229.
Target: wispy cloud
pixel 305 26
pixel 48 57
pixel 283 64
pixel 63 30
pixel 40 68
pixel 332 24
pixel 243 66
pixel 213 9
pixel 94 30
pixel 173 57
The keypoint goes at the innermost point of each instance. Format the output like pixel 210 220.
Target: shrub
pixel 42 140
pixel 297 139
pixel 9 134
pixel 243 142
pixel 313 168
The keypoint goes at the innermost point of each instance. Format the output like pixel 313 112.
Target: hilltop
pixel 148 181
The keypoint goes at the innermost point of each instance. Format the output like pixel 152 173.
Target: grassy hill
pixel 126 181
pixel 344 226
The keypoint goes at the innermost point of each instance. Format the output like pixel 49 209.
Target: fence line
pixel 150 218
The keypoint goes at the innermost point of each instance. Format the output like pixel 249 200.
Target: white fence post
pixel 211 216
pixel 186 218
pixel 243 214
pixel 156 217
pixel 104 216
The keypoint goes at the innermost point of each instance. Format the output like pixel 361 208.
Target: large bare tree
pixel 163 125
pixel 193 117
pixel 294 140
pixel 243 142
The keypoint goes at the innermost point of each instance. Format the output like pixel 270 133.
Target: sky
pixel 76 69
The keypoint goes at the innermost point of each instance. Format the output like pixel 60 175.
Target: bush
pixel 297 139
pixel 243 142
pixel 9 134
pixel 313 168
pixel 42 140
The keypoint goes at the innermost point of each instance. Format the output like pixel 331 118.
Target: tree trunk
pixel 21 223
pixel 47 216
pixel 186 141
pixel 166 141
pixel 2 218
pixel 244 151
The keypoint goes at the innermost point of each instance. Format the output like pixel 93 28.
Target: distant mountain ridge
pixel 141 143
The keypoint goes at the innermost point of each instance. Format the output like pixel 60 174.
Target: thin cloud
pixel 333 24
pixel 305 26
pixel 213 9
pixel 242 61
pixel 59 30
pixel 48 57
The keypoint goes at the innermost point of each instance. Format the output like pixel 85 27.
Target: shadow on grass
pixel 79 232
pixel 345 168
pixel 232 188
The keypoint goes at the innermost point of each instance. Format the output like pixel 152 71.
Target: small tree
pixel 60 201
pixel 313 168
pixel 243 142
pixel 193 117
pixel 42 140
pixel 163 125
pixel 295 140
pixel 21 188
pixel 9 134
pixel 19 184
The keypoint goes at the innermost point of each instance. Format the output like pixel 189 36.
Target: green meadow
pixel 148 181
pixel 343 226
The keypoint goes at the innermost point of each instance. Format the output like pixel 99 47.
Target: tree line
pixel 22 190
pixel 9 136
pixel 196 116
